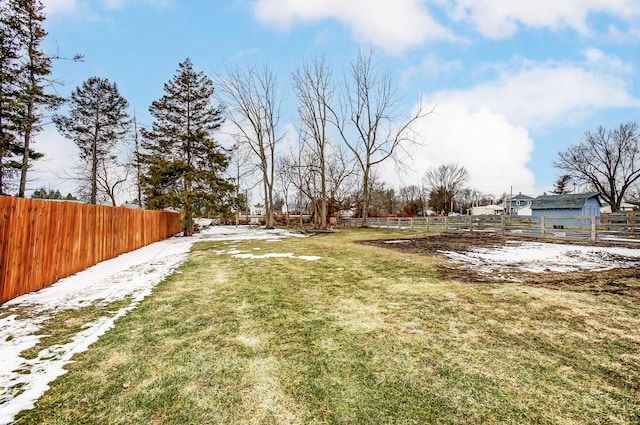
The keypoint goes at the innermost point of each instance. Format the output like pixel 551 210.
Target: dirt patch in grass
pixel 617 281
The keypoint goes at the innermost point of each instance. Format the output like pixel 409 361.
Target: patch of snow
pixel 538 257
pixel 131 275
pixel 309 257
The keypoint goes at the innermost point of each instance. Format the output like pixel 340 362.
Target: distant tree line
pixel 44 193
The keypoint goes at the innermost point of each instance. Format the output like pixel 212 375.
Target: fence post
pixel 411 223
pixel 446 223
pixel 428 227
pixel 594 229
pixel 543 226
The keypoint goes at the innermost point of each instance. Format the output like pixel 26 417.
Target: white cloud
pixel 432 66
pixel 393 25
pixel 538 95
pixel 84 6
pixel 57 6
pixel 501 19
pixel 494 151
pixel 487 127
pixel 397 25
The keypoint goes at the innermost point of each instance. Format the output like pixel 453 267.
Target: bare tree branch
pixel 607 161
pixel 368 118
pixel 253 107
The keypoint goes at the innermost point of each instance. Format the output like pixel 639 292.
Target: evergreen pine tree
pixel 9 55
pixel 35 67
pixel 183 162
pixel 97 123
pixel 43 193
pixel 560 186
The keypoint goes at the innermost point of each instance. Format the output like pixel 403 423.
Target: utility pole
pixel 510 198
pixel 236 147
pixel 137 147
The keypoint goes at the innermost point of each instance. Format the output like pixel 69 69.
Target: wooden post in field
pixel 594 229
pixel 543 226
pixel 632 223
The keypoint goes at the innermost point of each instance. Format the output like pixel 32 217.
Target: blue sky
pixel 512 82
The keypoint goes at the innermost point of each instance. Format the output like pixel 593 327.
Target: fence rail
pixel 43 241
pixel 609 228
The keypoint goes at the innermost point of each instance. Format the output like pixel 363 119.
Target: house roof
pixel 573 201
pixel 520 196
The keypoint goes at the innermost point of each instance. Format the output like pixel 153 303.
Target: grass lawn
pixel 363 336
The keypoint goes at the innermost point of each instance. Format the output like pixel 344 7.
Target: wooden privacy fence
pixel 43 241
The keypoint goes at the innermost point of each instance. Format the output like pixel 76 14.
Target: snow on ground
pixel 539 257
pixel 132 275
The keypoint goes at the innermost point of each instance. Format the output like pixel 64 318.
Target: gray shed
pixel 575 204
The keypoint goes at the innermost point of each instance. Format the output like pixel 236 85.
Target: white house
pixel 488 210
pixel 257 209
pixel 517 203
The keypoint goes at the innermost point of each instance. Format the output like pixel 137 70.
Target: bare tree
pixel 111 175
pixel 412 199
pixel 445 182
pixel 467 198
pixel 290 173
pixel 238 170
pixel 314 93
pixel 608 161
pixel 285 181
pixel 253 107
pixel 135 161
pixel 341 177
pixel 635 194
pixel 369 119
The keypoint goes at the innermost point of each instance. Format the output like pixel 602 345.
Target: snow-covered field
pixel 132 275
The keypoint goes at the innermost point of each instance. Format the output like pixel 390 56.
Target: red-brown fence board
pixel 44 241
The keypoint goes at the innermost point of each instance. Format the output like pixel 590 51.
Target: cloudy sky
pixel 512 82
